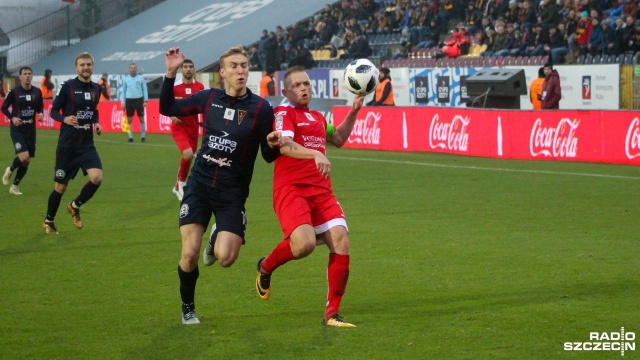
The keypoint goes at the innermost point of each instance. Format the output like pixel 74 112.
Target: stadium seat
pixel 581 59
pixel 588 59
pixel 596 59
pixel 620 59
pixel 628 59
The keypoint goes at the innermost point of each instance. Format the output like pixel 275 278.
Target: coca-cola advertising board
pixel 590 136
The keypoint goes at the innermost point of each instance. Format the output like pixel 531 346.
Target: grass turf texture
pixel 452 258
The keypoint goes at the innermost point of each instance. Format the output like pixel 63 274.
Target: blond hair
pixel 84 55
pixel 235 50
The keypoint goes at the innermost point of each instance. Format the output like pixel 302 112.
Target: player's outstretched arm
pixel 342 132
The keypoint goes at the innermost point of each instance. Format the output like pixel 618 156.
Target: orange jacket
pixel 388 101
pixel 535 92
pixel 104 85
pixel 46 93
pixel 264 86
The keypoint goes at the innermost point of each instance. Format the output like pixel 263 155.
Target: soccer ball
pixel 361 77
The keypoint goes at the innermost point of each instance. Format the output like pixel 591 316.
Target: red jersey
pixel 181 91
pixel 309 129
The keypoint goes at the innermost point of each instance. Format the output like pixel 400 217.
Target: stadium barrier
pixel 571 135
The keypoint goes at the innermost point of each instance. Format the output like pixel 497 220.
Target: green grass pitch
pixel 452 258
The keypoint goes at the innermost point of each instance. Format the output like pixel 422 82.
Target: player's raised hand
pixel 358 101
pixel 173 59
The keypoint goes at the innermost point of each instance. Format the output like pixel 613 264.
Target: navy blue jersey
pixel 234 128
pixel 80 99
pixel 26 105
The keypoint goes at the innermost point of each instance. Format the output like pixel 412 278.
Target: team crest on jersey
pixel 241 115
pixel 18 146
pixel 309 116
pixel 184 211
pixel 229 114
pixel 60 174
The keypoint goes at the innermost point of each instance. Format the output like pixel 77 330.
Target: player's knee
pixel 226 260
pixel 301 249
pixel 25 161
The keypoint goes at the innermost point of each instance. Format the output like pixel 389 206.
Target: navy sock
pixel 54 204
pixel 87 192
pixel 188 284
pixel 16 164
pixel 22 170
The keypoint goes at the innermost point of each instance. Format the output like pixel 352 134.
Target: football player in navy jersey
pixel 26 105
pixel 237 123
pixel 76 107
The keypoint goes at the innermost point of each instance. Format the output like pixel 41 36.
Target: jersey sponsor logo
pixel 229 114
pixel 82 127
pixel 221 143
pixel 60 174
pixel 220 162
pixel 241 115
pixel 216 105
pixel 27 113
pixel 184 211
pixel 313 141
pixel 85 114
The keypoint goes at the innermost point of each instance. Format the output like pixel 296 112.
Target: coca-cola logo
pixel 164 122
pixel 632 141
pixel 449 135
pixel 558 142
pixel 116 118
pixel 366 131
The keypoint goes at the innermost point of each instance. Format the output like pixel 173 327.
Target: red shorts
pixel 184 139
pixel 298 205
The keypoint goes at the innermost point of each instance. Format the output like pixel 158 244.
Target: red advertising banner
pixel 111 114
pixel 590 136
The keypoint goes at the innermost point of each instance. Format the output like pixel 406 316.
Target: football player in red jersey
pixel 302 196
pixel 184 129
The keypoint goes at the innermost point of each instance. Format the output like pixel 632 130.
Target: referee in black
pixel 26 105
pixel 76 107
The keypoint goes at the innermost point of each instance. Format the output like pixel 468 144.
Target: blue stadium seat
pixel 620 59
pixel 628 59
pixel 580 60
pixel 595 59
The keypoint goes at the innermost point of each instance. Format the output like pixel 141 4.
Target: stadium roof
pixel 203 29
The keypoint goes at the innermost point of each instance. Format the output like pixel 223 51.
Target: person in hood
pixel 384 91
pixel 551 92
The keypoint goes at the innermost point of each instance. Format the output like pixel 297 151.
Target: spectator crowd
pixel 560 29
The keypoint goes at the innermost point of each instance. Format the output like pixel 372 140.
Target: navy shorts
pixel 134 105
pixel 200 201
pixel 24 142
pixel 69 161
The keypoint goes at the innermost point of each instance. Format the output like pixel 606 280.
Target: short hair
pixel 84 55
pixel 25 68
pixel 188 61
pixel 48 72
pixel 234 50
pixel 541 72
pixel 291 70
pixel 548 65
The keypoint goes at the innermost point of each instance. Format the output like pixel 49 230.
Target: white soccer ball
pixel 361 77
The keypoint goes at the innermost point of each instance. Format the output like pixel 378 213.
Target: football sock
pixel 337 275
pixel 16 164
pixel 279 256
pixel 183 170
pixel 130 131
pixel 54 204
pixel 143 129
pixel 22 170
pixel 188 284
pixel 87 192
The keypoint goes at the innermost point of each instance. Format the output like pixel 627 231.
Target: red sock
pixel 183 171
pixel 279 256
pixel 337 275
